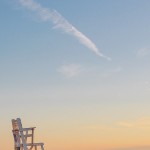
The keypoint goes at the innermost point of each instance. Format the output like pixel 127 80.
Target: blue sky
pixel 62 68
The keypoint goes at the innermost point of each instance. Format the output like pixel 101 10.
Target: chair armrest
pixel 35 144
pixel 26 129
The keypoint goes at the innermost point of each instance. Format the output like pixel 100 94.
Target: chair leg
pixel 35 147
pixel 17 148
pixel 42 147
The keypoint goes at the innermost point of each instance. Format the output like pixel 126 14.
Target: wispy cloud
pixel 146 86
pixel 125 124
pixel 60 22
pixel 111 72
pixel 71 70
pixel 98 127
pixel 142 123
pixel 143 52
pixel 146 147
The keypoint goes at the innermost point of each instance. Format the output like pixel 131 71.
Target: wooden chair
pixel 24 137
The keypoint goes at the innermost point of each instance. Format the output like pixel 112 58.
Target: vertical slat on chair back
pixel 16 134
pixel 22 134
pixel 15 124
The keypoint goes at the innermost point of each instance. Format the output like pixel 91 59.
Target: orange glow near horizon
pixel 87 140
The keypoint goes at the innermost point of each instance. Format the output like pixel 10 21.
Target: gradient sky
pixel 56 73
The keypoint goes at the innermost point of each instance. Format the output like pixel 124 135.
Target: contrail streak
pixel 60 22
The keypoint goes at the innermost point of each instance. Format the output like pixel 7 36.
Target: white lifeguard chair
pixel 24 137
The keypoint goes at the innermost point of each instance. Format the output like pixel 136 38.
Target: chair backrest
pixel 19 138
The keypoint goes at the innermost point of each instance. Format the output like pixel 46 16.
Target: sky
pixel 78 71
